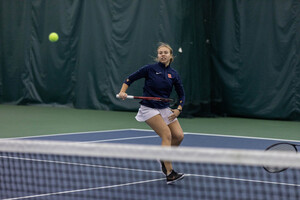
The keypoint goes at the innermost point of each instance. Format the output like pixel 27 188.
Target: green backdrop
pixel 239 58
pixel 255 52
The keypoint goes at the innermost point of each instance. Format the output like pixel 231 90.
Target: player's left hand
pixel 174 115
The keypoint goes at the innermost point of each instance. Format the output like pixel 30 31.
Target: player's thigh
pixel 176 130
pixel 159 126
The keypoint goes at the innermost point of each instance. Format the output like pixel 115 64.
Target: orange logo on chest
pixel 169 76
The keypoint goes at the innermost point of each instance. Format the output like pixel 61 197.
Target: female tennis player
pixel 159 81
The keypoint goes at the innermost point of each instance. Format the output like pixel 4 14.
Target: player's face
pixel 164 55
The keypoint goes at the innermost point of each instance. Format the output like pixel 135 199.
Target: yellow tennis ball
pixel 53 37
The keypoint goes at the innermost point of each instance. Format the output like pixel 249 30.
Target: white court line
pixel 71 133
pixel 132 183
pixel 94 141
pixel 86 189
pixel 147 130
pixel 120 139
pixel 79 164
pixel 86 165
pixel 243 137
pixel 229 136
pixel 245 180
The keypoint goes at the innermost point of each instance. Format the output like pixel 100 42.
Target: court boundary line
pixel 131 183
pixel 69 133
pixel 79 164
pixel 120 139
pixel 148 130
pixel 86 189
pixel 232 136
pixel 245 180
pixel 84 165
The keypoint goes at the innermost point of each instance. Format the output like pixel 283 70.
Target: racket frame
pixel 277 144
pixel 148 98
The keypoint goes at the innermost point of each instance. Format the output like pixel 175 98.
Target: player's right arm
pixel 141 73
pixel 122 93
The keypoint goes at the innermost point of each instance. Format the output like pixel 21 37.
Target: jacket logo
pixel 169 76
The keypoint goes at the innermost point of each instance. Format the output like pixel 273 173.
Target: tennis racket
pixel 282 146
pixel 148 98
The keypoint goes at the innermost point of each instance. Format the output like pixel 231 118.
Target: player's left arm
pixel 181 97
pixel 180 92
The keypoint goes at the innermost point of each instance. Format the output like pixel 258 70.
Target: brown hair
pixel 162 44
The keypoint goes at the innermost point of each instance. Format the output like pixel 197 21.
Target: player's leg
pixel 176 133
pixel 162 129
pixel 159 126
pixel 177 137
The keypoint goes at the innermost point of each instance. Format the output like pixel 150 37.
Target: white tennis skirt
pixel 146 113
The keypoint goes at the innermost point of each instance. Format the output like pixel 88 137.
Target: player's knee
pixel 166 136
pixel 179 137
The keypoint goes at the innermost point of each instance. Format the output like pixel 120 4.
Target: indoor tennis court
pixel 217 182
pixel 77 76
pixel 195 174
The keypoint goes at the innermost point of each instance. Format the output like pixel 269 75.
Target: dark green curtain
pixel 255 53
pixel 239 57
pixel 101 43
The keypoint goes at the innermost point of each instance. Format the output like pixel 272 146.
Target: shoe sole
pixel 170 182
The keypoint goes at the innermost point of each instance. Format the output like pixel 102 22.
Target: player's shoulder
pixel 173 73
pixel 152 65
pixel 173 70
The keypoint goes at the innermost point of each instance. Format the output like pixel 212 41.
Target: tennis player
pixel 159 81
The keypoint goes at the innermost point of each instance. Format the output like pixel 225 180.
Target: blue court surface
pixel 148 137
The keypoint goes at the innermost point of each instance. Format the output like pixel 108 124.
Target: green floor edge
pixel 22 121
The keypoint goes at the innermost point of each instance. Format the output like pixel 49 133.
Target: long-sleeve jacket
pixel 159 82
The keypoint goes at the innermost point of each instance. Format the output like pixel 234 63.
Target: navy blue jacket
pixel 159 82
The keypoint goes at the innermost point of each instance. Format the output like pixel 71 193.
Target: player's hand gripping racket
pixel 282 146
pixel 148 98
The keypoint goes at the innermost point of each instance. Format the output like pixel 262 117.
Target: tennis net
pixel 31 169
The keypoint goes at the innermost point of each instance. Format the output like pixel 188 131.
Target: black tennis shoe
pixel 163 167
pixel 174 176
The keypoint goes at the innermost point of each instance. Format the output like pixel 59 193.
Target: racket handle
pixel 128 96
